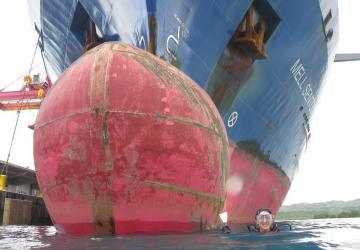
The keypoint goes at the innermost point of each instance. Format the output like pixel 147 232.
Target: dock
pixel 21 202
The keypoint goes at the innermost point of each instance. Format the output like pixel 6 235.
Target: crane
pixel 28 97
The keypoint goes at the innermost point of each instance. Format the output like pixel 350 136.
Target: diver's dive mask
pixel 264 217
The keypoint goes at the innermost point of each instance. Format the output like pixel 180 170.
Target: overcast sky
pixel 330 168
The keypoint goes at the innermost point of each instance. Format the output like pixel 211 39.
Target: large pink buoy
pixel 126 143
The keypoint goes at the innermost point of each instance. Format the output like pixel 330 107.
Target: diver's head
pixel 264 219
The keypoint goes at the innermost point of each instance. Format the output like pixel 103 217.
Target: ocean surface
pixel 307 234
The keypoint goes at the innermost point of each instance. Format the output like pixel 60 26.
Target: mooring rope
pixel 5 167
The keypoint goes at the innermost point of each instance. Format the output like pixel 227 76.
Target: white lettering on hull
pixel 303 82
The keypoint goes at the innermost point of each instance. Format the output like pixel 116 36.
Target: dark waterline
pixel 309 234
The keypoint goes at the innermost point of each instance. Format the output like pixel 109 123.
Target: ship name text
pixel 303 82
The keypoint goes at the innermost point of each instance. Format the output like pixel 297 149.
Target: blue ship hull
pixel 265 84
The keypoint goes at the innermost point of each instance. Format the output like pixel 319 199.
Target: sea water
pixel 306 234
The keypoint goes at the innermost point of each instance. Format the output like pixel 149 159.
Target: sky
pixel 329 169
